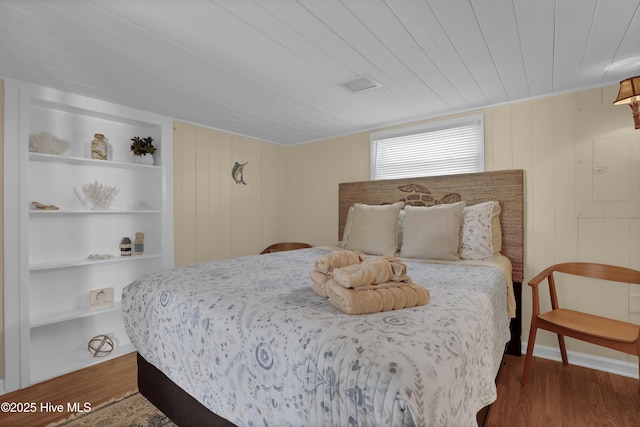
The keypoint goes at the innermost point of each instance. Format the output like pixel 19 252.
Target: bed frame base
pixel 514 346
pixel 174 402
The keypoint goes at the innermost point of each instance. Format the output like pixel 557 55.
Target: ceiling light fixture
pixel 361 83
pixel 630 94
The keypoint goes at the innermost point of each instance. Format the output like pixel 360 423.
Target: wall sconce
pixel 630 94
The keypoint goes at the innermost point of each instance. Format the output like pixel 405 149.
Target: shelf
pixel 53 158
pixel 92 212
pixel 52 369
pixel 48 274
pixel 52 318
pixel 86 262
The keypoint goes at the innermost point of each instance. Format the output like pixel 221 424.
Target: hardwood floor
pixel 563 396
pixel 555 396
pixel 96 384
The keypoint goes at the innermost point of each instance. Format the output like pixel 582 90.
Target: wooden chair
pixel 614 334
pixel 284 246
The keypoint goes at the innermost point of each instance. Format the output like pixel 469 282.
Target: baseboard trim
pixel 605 364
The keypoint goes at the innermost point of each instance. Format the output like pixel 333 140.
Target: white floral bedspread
pixel 249 339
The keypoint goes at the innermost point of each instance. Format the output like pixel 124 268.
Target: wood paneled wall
pixel 216 218
pixel 314 172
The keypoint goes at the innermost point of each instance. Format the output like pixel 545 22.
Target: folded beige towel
pixel 422 294
pixel 365 301
pixel 388 299
pixel 398 267
pixel 399 298
pixel 319 282
pixel 385 285
pixel 319 288
pixel 337 259
pixel 354 302
pixel 372 271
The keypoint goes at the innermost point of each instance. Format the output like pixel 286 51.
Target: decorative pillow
pixel 432 232
pixel 373 228
pixel 476 241
pixel 347 229
pixel 400 232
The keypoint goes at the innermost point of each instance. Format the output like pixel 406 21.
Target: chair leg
pixel 563 350
pixel 528 359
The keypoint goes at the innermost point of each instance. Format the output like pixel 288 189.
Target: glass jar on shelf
pixel 125 246
pixel 99 147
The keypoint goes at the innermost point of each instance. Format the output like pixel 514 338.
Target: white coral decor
pixel 99 195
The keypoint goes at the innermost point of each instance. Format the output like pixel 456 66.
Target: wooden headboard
pixel 506 187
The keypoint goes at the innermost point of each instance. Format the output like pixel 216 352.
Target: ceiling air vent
pixel 361 83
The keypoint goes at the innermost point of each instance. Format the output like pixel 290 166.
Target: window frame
pixel 462 121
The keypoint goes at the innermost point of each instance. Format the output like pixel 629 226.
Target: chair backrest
pixel 599 271
pixel 284 246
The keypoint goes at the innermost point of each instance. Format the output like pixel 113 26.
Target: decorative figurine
pixel 100 345
pixel 138 246
pixel 125 246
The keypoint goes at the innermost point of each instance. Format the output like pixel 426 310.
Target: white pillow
pixel 373 228
pixel 432 232
pixel 476 241
pixel 400 231
pixel 347 229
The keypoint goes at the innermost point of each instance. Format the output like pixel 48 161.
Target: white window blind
pixel 440 148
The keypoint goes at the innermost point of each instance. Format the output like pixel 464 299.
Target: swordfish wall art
pixel 236 173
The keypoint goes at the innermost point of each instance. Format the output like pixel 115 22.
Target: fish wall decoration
pixel 236 173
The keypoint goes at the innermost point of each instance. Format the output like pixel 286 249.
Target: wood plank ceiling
pixel 270 69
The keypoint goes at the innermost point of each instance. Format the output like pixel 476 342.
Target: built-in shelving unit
pixel 49 273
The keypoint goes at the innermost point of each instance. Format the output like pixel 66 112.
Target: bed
pixel 246 341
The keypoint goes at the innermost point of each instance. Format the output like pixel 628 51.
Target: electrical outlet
pixel 634 303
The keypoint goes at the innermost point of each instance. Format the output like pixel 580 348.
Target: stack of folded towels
pixel 355 285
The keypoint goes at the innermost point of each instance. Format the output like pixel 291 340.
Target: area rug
pixel 133 410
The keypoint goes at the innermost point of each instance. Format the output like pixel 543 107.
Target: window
pixel 439 148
